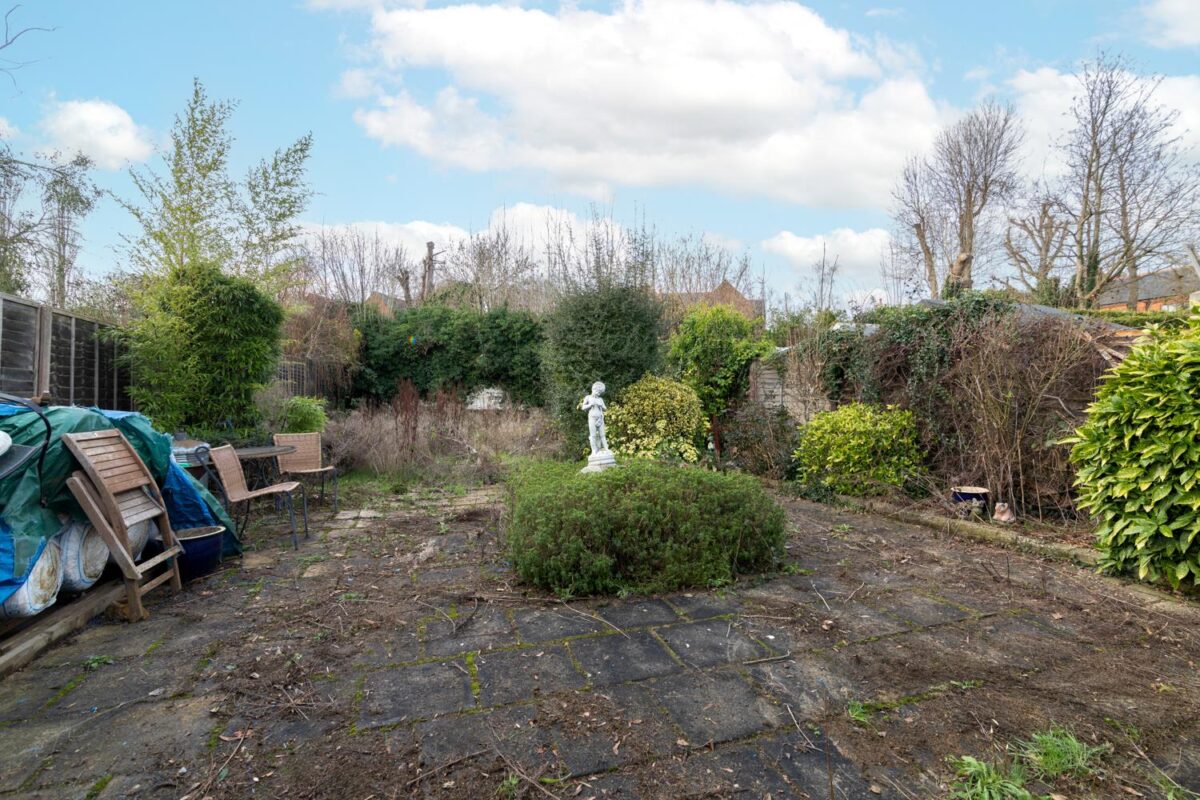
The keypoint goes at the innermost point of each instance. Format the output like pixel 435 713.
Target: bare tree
pixel 943 200
pixel 824 272
pixel 11 34
pixel 67 197
pixel 496 269
pixel 1036 245
pixel 1131 196
pixel 350 265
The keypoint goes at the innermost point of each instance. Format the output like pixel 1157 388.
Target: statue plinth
pixel 598 462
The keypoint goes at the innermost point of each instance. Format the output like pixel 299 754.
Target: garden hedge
pixel 640 527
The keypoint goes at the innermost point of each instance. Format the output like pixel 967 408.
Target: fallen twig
pixel 768 659
pixel 445 767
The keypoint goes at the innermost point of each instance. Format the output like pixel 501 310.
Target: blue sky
pixel 771 125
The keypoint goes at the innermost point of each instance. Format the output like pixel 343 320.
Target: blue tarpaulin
pixel 29 508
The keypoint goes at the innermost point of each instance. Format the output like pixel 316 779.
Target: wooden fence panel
pixel 48 351
pixel 19 333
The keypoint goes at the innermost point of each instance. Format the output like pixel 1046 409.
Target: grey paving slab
pixel 487 629
pixel 404 694
pixel 807 762
pixel 548 625
pixel 515 675
pixel 715 707
pixel 809 683
pixel 637 614
pixel 382 647
pixel 25 694
pixel 703 606
pixel 738 770
pixel 617 658
pixel 611 787
pixel 709 643
pixel 510 730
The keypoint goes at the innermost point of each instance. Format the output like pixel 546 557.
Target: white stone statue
pixel 601 457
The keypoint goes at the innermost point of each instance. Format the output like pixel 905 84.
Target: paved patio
pixel 394 656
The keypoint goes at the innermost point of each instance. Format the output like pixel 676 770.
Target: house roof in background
pixel 1170 282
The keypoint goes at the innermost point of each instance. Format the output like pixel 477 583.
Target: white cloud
pixel 1172 23
pixel 1043 98
pixel 723 242
pixel 528 224
pixel 8 130
pixel 885 12
pixel 762 99
pixel 412 236
pixel 99 129
pixel 857 253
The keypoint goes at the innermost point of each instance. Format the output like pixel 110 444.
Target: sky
pixel 772 128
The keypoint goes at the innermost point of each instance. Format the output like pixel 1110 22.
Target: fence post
pixel 42 370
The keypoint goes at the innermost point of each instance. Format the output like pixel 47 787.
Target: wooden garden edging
pixel 978 531
pixel 24 646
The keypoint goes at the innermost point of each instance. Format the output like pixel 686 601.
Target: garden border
pixel 989 534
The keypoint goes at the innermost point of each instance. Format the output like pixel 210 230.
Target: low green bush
pixel 1138 460
pixel 657 418
pixel 1141 319
pixel 641 527
pixel 858 449
pixel 304 415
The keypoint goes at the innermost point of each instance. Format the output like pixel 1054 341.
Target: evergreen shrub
pixel 440 348
pixel 641 527
pixel 1138 459
pixel 608 334
pixel 657 418
pixel 858 449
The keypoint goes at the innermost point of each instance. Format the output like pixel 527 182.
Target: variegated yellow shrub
pixel 658 418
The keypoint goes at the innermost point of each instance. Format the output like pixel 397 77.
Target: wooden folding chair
pixel 305 461
pixel 116 491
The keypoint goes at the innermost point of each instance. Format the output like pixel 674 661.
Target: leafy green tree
pixel 712 351
pixel 610 334
pixel 197 212
pixel 201 346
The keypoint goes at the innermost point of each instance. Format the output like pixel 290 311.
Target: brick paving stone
pixel 638 614
pixel 707 644
pixel 617 658
pixel 407 693
pixel 515 675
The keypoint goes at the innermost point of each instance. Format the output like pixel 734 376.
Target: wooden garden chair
pixel 116 491
pixel 305 461
pixel 233 481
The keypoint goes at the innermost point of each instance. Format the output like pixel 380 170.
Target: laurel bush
pixel 1138 460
